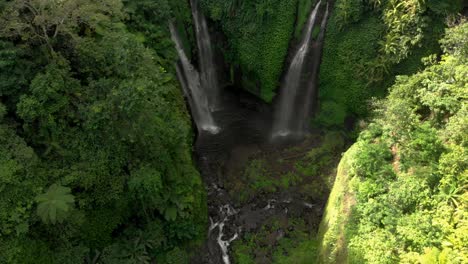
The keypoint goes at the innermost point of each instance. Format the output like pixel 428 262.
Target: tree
pixel 424 207
pixel 45 21
pixel 55 204
pixel 88 106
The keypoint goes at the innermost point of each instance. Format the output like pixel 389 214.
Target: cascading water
pixel 207 67
pixel 190 82
pixel 225 211
pixel 308 98
pixel 223 155
pixel 284 123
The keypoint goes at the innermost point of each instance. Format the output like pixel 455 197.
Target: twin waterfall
pixel 292 111
pixel 200 89
pixel 294 102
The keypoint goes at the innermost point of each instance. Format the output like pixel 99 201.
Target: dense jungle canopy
pixel 98 157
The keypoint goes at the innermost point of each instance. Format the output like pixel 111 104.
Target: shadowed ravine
pixel 221 158
pixel 233 131
pixel 242 129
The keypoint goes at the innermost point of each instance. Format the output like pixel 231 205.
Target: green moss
pixel 258 34
pixel 342 91
pixel 333 243
pixel 257 178
pixel 304 253
pixel 315 32
pixel 318 161
pixel 296 245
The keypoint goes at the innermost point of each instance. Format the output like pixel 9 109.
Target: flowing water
pixel 312 88
pixel 286 115
pixel 207 67
pixel 224 153
pixel 224 156
pixel 189 79
pixel 225 211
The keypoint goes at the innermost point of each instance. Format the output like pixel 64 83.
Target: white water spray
pixel 226 212
pixel 207 67
pixel 285 115
pixel 189 79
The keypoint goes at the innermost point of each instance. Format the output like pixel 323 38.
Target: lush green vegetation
pixel 270 245
pixel 259 34
pixel 96 141
pixel 95 162
pixel 303 173
pixel 404 185
pixel 368 43
pixel 304 170
pixel 147 20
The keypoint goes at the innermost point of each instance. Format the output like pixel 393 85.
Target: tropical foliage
pixel 95 161
pixel 96 141
pixel 368 43
pixel 408 171
pixel 54 205
pixel 258 34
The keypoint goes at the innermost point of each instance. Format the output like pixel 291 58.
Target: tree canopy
pixel 407 173
pixel 94 136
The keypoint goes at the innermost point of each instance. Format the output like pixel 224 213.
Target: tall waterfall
pixel 207 67
pixel 311 91
pixel 190 82
pixel 284 124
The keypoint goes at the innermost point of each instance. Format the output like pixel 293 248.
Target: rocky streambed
pixel 239 202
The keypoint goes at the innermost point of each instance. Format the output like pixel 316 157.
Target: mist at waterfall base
pixel 189 79
pixel 201 86
pixel 297 92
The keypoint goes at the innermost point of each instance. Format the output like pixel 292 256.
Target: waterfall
pixel 285 120
pixel 207 67
pixel 311 91
pixel 190 82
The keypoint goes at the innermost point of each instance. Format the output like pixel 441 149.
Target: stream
pixel 224 156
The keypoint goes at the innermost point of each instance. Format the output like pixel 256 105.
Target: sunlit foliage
pixel 368 43
pixel 410 167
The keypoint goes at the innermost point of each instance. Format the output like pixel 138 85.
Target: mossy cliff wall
pixel 332 233
pixel 259 34
pixel 363 49
pixel 367 44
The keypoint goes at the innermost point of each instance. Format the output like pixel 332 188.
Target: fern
pixel 55 204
